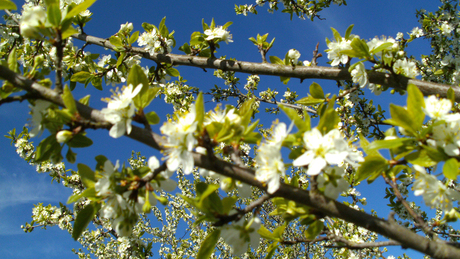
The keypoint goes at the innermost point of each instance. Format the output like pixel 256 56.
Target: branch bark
pixel 387 228
pixel 302 72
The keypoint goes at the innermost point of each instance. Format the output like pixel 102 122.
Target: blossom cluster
pixel 154 42
pixel 218 34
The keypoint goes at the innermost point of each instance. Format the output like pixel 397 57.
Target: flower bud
pixel 64 136
pixel 294 55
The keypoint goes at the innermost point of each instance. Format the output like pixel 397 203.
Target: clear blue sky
pixel 21 186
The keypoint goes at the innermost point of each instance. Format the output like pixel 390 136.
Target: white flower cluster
pixel 270 164
pixel 113 75
pixel 252 83
pixel 51 215
pixel 32 18
pixel 335 49
pixel 155 43
pixel 218 34
pixel 120 111
pixel 405 67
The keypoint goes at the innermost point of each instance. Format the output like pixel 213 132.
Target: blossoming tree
pixel 245 190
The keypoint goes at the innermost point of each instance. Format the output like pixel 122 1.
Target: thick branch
pixel 302 72
pixel 407 238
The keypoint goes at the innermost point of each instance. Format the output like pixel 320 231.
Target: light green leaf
pixel 374 164
pixel 420 158
pixel 199 109
pixel 46 148
pixel 172 72
pixel 116 41
pixel 450 169
pixel 415 103
pixel 276 60
pixel 314 229
pixel 80 77
pixel 348 32
pixel 152 118
pixel 402 118
pixel 133 38
pixel 79 8
pixel 336 34
pixel 209 244
pixel 309 100
pixel 54 14
pixel 137 76
pixel 301 124
pixel 68 100
pixel 271 250
pixel 69 31
pixel 316 91
pixel 389 143
pixel 7 4
pixel 13 61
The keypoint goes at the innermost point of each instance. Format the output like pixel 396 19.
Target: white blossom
pixel 31 19
pixel 294 55
pixel 218 33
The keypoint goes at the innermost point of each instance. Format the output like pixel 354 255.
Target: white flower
pixel 127 27
pixel 359 75
pixel 437 108
pixel 376 42
pixel 446 28
pixel 323 150
pixel 180 141
pixel 103 184
pixel 416 32
pixel 376 89
pixel 270 165
pixel 435 193
pixel 38 111
pixel 31 19
pixel 405 67
pixel 218 33
pixel 294 55
pixel 333 53
pixel 240 234
pixel 167 184
pixel 120 111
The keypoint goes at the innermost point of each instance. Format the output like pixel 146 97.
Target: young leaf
pixel 450 169
pixel 348 32
pixel 209 244
pixel 7 4
pixel 68 100
pixel 199 109
pixel 374 164
pixel 314 229
pixel 316 91
pixel 79 8
pixel 152 118
pixel 415 103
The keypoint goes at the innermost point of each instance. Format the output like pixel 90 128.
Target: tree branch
pixel 303 72
pixel 332 208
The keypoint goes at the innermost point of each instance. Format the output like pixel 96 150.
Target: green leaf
pixel 228 203
pixel 420 158
pixel 137 76
pixel 71 156
pixel 310 100
pixel 402 118
pixel 329 120
pixel 172 72
pixel 79 8
pixel 133 38
pixel 120 59
pixel 265 233
pixel 89 192
pixel 271 250
pixel 415 103
pixel 85 100
pixel 69 31
pixel 276 60
pixel 116 41
pixel 226 25
pixel 13 61
pixel 314 229
pixel 80 77
pixel 361 48
pixel 54 14
pixel 152 118
pixel 199 109
pixel 295 117
pixel 46 148
pixel 209 244
pixel 316 91
pixel 83 219
pixel 68 100
pixel 88 177
pixel 389 143
pixel 79 141
pixel 451 95
pixel 374 164
pixel 7 4
pixel 336 34
pixel 381 47
pixel 348 32
pixel 450 169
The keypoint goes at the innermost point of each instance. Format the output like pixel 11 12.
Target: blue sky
pixel 21 186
